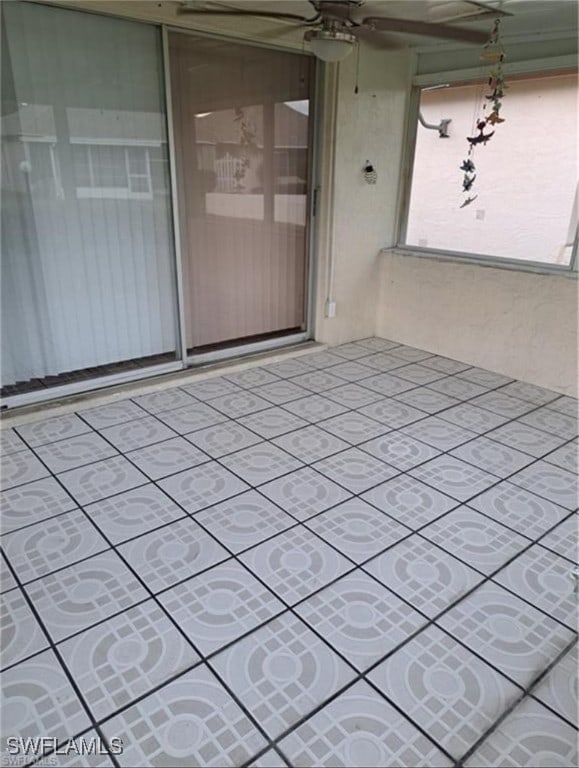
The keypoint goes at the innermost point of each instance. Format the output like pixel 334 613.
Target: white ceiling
pixel 529 17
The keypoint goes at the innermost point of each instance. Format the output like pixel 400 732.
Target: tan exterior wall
pixel 520 324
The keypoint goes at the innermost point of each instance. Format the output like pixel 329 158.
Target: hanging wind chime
pixel 493 53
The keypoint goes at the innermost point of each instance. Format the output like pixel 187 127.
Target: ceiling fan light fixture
pixel 330 44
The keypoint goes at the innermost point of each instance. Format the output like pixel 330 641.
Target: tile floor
pixel 363 556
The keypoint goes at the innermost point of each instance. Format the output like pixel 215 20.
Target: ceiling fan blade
pixel 205 11
pixel 411 27
pixel 377 39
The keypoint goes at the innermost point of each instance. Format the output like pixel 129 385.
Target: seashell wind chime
pixel 494 54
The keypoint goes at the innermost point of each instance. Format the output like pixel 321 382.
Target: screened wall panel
pixel 87 244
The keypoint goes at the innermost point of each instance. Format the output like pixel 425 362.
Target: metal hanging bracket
pixel 442 127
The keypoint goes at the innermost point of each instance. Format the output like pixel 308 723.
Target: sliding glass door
pixel 91 290
pixel 242 143
pixel 87 243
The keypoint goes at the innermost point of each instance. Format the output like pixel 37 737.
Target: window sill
pixel 482 261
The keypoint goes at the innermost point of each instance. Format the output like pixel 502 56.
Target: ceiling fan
pixel 332 32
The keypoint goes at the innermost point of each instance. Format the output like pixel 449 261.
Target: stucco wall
pixel 521 324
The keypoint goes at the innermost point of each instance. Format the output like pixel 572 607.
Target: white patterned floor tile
pixel 208 389
pixel 280 392
pixel 237 404
pixel 133 513
pixel 7 580
pixel 167 458
pixel 191 417
pixel 360 618
pixel 493 457
pixel 202 486
pixel 75 452
pixel 427 400
pixel 20 632
pixel 353 395
pixel 310 444
pixel 164 400
pixel 351 371
pixel 438 433
pixel 399 450
pixel 318 381
pixel 357 530
pixel 507 632
pixel 418 374
pixel 96 754
pixel 566 457
pixel 170 554
pixel 102 479
pixel 567 405
pixel 83 594
pixel 245 520
pixel 288 368
pixel 351 351
pixel 295 564
pixel 457 387
pixel 476 540
pixel 314 408
pixel 525 438
pixel 454 477
pixel 504 405
pixel 445 365
pixel 484 378
pixel 224 438
pixel 49 430
pixel 475 419
pixel 108 415
pixel 530 392
pixel 322 359
pixel 125 657
pixel 530 737
pixel 411 354
pixel 33 502
pixel 353 427
pixel 191 721
pixel 564 539
pixel 282 672
pixel 409 501
pixel 393 414
pixel 383 361
pixel 444 688
pixel 273 422
pixel 269 759
pixel 261 463
pixel 545 580
pixel 253 377
pixel 425 576
pixel 51 544
pixel 218 606
pixel 355 470
pixel 387 385
pixel 360 728
pixel 37 700
pixel 558 689
pixel 550 482
pixel 553 422
pixel 20 468
pixel 378 344
pixel 519 509
pixel 137 433
pixel 10 442
pixel 304 493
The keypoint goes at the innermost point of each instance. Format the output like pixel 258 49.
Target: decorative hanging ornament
pixel 494 54
pixel 369 172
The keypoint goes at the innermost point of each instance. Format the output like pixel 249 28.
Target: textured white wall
pixel 520 324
